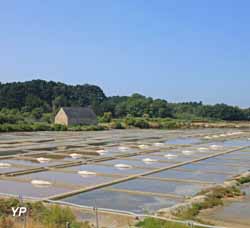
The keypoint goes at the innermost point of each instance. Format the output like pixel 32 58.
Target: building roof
pixel 79 112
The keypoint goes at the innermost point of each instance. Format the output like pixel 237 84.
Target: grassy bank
pixel 214 196
pixel 157 223
pixel 125 123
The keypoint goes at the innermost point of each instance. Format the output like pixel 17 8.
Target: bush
pixel 106 118
pixel 141 123
pixel 59 127
pixel 244 180
pixel 117 125
pixel 130 121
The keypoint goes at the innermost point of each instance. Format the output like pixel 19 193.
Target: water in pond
pixel 222 160
pixel 25 163
pixel 137 163
pixel 196 175
pixel 178 188
pixel 206 166
pixel 68 178
pixel 121 201
pixel 184 141
pixel 28 190
pixel 105 169
pixel 236 142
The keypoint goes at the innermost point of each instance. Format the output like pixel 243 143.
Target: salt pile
pixel 202 149
pixel 158 144
pixel 122 148
pixel 85 173
pixel 143 146
pixel 4 165
pixel 75 156
pixel 123 166
pixel 149 160
pixel 187 152
pixel 215 147
pixel 40 183
pixel 170 156
pixel 101 152
pixel 207 137
pixel 43 160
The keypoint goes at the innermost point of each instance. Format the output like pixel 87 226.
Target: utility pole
pixel 22 204
pixel 96 215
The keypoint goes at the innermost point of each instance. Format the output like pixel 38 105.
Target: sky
pixel 177 50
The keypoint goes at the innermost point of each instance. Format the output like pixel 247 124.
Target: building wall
pixel 61 118
pixel 82 121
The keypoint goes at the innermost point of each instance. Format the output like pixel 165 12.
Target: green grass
pixel 244 180
pixel 157 223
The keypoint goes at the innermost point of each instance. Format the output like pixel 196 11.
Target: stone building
pixel 69 116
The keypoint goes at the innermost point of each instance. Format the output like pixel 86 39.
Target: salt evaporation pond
pixel 204 166
pixel 25 163
pixel 121 201
pixel 235 142
pixel 136 163
pixel 68 178
pixel 196 175
pixel 105 169
pixel 183 141
pixel 26 189
pixel 178 188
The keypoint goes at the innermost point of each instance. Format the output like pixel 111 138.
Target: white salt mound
pixel 43 160
pixel 86 173
pixel 101 152
pixel 158 144
pixel 149 160
pixel 187 152
pixel 207 137
pixel 123 148
pixel 170 156
pixel 4 165
pixel 123 166
pixel 75 156
pixel 203 149
pixel 39 183
pixel 215 147
pixel 143 146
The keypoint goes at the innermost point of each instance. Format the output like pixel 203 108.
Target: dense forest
pixel 40 100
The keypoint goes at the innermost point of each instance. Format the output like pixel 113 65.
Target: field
pixel 126 172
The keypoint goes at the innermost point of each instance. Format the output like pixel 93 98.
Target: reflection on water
pixel 121 201
pixel 184 141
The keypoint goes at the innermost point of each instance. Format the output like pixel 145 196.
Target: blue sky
pixel 177 50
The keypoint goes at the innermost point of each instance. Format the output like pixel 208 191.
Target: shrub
pixel 59 127
pixel 106 118
pixel 130 121
pixel 141 123
pixel 117 125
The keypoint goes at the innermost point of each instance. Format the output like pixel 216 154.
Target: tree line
pixel 38 98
